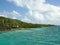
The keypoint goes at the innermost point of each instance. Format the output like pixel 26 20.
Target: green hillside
pixel 7 23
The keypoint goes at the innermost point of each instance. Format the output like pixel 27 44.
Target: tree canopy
pixel 7 23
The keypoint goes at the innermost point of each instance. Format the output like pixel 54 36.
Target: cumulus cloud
pixel 3 14
pixel 15 14
pixel 39 11
pixel 12 14
pixel 26 19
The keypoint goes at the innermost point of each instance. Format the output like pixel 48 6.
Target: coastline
pixel 10 29
pixel 21 28
pixel 13 29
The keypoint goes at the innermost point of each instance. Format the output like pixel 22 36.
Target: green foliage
pixel 6 23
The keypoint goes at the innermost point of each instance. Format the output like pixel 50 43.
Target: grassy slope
pixel 7 23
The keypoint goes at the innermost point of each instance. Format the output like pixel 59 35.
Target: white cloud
pixel 40 11
pixel 14 18
pixel 26 19
pixel 15 14
pixel 12 14
pixel 3 14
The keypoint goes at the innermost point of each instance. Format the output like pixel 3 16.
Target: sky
pixel 32 11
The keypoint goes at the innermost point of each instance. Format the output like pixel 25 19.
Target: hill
pixel 7 23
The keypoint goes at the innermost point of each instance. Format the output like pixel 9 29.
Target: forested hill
pixel 7 23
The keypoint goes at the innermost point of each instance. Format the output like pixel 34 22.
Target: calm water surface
pixel 36 36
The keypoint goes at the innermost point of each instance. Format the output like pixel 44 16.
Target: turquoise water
pixel 37 36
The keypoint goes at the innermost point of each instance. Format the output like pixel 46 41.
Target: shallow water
pixel 36 36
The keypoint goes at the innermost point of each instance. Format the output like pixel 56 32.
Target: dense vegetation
pixel 7 23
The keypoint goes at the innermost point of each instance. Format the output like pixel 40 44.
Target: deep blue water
pixel 36 36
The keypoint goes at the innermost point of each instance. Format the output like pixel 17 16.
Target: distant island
pixel 10 24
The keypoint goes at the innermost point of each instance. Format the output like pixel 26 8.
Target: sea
pixel 34 36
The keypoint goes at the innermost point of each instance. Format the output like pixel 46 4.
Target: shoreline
pixel 15 29
pixel 11 29
pixel 21 28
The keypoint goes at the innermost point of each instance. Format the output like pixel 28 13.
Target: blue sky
pixel 4 5
pixel 54 2
pixel 7 6
pixel 31 10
